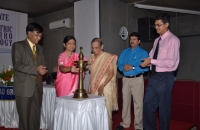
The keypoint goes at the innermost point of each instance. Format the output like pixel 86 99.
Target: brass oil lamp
pixel 81 64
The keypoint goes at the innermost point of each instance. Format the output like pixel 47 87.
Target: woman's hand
pixel 74 69
pixel 90 62
pixel 100 90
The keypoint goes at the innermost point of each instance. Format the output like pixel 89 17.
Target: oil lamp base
pixel 80 93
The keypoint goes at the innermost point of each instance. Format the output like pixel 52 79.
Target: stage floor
pixel 175 125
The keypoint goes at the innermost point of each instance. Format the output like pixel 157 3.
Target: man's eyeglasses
pixel 158 25
pixel 37 35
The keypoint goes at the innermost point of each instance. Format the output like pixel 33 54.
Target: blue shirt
pixel 134 58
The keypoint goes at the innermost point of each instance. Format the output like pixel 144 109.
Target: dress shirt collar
pixel 165 35
pixel 31 44
pixel 136 48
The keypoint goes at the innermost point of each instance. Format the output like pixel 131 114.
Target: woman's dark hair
pixel 136 34
pixel 164 17
pixel 96 39
pixel 67 38
pixel 34 27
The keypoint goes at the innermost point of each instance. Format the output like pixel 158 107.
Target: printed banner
pixel 7 30
pixel 6 93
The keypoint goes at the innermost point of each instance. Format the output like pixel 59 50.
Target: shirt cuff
pixel 153 62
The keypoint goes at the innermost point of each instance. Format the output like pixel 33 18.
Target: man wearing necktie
pixel 163 59
pixel 29 67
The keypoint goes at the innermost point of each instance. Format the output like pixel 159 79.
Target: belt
pixel 152 73
pixel 138 75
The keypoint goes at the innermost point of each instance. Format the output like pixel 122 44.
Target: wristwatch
pixel 133 68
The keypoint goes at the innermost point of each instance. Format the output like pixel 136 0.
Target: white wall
pixel 86 27
pixel 21 23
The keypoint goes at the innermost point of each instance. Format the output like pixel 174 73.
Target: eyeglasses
pixel 158 25
pixel 37 35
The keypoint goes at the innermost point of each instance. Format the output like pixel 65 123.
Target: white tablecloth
pixel 80 114
pixel 9 116
pixel 48 107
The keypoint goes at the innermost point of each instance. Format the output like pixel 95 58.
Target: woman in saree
pixel 67 75
pixel 102 66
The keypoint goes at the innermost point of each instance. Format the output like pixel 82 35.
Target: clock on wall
pixel 123 32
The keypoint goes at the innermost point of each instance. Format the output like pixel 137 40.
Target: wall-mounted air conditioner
pixel 60 24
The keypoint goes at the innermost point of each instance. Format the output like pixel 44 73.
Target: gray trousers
pixel 29 110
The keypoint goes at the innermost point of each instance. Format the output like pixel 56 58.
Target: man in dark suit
pixel 29 66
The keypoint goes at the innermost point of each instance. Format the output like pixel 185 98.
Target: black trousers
pixel 29 110
pixel 158 96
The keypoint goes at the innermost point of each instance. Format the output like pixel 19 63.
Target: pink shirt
pixel 168 54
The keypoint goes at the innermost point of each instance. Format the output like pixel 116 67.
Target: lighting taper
pixel 81 64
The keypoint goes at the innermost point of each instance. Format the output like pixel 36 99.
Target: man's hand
pixel 41 70
pixel 128 67
pixel 146 62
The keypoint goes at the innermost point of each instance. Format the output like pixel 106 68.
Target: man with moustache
pixel 163 59
pixel 133 82
pixel 29 66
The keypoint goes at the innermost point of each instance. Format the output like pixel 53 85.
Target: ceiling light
pixel 166 9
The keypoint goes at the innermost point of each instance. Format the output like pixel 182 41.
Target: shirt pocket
pixel 136 61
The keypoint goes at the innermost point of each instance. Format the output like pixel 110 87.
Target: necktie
pixel 155 56
pixel 34 52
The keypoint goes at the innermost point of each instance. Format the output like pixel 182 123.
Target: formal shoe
pixel 120 128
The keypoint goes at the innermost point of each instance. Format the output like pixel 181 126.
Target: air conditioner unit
pixel 60 24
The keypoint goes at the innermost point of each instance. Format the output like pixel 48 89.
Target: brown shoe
pixel 120 128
